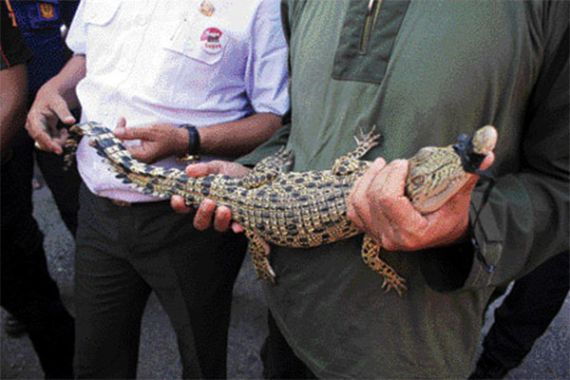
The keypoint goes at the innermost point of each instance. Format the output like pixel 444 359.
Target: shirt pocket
pixel 367 38
pixel 44 14
pixel 201 41
pixel 103 37
pixel 187 66
pixel 100 12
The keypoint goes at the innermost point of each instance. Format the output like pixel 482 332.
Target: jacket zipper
pixel 371 16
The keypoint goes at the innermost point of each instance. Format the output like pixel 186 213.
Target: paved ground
pixel 549 359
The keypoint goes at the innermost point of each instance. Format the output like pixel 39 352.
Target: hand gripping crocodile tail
pixel 299 209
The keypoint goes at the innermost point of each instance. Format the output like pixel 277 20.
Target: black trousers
pixel 28 292
pixel 124 253
pixel 279 360
pixel 63 183
pixel 524 316
pixel 64 186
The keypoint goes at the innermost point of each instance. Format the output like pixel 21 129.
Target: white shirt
pixel 165 61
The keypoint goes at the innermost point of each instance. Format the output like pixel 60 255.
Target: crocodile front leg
pixel 259 251
pixel 350 163
pixel 392 280
pixel 268 169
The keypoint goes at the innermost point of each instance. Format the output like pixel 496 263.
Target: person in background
pixel 422 72
pixel 523 316
pixel 27 290
pixel 40 24
pixel 174 78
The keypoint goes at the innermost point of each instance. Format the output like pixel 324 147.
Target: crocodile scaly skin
pixel 293 209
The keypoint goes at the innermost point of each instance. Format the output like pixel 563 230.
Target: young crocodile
pixel 298 209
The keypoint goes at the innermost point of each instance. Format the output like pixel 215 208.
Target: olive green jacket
pixel 423 72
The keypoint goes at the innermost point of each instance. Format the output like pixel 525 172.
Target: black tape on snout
pixel 469 159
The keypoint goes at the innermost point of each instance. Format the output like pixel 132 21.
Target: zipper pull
pixel 370 6
pixel 372 13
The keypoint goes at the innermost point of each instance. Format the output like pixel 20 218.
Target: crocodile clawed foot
pixel 369 139
pixel 397 284
pixel 266 274
pixel 70 143
pixel 76 130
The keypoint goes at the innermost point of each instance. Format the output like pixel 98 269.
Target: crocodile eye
pixel 418 181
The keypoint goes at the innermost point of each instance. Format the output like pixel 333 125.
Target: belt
pixel 120 203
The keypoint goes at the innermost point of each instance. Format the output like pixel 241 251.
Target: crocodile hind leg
pixel 350 162
pixel 259 251
pixel 268 169
pixel 392 280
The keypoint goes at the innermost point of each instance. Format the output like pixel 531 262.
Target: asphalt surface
pixel 549 359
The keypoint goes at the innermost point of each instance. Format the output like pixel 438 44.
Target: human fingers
pixel 237 228
pixel 228 168
pixel 222 219
pixel 179 205
pixel 37 126
pixel 143 152
pixel 59 106
pixel 121 125
pixel 129 133
pixel 388 194
pixel 62 137
pixel 396 220
pixel 358 211
pixel 394 178
pixel 488 161
pixel 202 169
pixel 204 215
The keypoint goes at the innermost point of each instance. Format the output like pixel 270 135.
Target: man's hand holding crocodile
pixel 378 206
pixel 208 214
pixel 48 109
pixel 308 209
pixel 156 141
pixel 53 103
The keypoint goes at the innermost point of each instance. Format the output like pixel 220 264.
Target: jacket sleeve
pixel 526 218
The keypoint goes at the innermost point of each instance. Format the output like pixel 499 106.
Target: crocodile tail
pixel 148 179
pixel 76 132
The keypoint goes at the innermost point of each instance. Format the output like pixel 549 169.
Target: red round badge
pixel 211 39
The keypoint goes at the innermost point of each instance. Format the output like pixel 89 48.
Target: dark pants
pixel 124 253
pixel 524 316
pixel 28 292
pixel 279 360
pixel 64 186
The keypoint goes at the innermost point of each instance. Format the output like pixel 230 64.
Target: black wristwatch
pixel 193 139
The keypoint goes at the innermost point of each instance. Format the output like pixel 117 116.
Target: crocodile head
pixel 436 174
